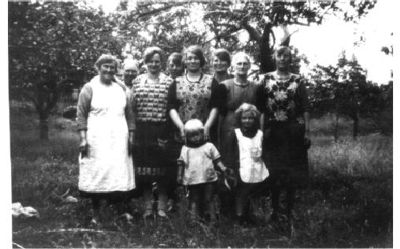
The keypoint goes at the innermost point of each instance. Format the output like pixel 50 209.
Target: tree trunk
pixel 336 128
pixel 265 44
pixel 44 129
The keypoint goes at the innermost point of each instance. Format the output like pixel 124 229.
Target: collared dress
pixel 105 112
pixel 285 152
pixel 150 109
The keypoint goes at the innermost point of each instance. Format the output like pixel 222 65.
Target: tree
pixel 226 19
pixel 50 42
pixel 344 91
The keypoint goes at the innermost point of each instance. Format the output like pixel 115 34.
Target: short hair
pixel 198 51
pixel 223 55
pixel 244 108
pixel 193 125
pixel 176 58
pixel 238 55
pixel 283 49
pixel 150 52
pixel 106 58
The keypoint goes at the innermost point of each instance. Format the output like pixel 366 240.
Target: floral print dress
pixel 284 103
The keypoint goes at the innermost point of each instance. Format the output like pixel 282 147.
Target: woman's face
pixel 154 64
pixel 282 59
pixel 174 69
pixel 248 120
pixel 192 62
pixel 107 71
pixel 241 65
pixel 219 65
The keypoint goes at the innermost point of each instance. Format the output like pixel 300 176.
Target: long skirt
pixel 285 154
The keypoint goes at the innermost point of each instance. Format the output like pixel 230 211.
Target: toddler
pixel 196 170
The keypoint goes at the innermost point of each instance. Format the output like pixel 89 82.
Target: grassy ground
pixel 348 202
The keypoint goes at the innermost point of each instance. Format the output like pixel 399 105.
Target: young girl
pixel 249 164
pixel 196 169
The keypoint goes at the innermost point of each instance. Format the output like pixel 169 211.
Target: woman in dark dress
pixel 285 107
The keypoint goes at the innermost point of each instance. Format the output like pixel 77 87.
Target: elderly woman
pixel 285 106
pixel 149 92
pixel 238 90
pixel 130 72
pixel 106 126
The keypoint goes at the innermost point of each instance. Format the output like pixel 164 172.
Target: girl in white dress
pixel 251 169
pixel 106 128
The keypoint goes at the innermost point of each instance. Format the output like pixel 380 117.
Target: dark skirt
pixel 148 156
pixel 285 154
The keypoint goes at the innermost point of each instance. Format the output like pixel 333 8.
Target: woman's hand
pixel 182 132
pixel 131 141
pixel 84 148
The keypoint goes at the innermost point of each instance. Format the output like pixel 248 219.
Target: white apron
pixel 252 167
pixel 108 166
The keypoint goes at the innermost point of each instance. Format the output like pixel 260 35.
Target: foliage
pixel 51 42
pixel 344 91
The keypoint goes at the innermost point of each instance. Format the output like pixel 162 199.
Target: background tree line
pixel 53 45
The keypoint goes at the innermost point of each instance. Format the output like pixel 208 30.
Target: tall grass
pixel 348 205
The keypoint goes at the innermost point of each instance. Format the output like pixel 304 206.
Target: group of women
pixel 131 137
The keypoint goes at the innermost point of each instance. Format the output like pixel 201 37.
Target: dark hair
pixel 106 58
pixel 150 52
pixel 246 107
pixel 176 58
pixel 223 55
pixel 198 51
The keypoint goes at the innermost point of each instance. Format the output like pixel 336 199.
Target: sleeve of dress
pixel 218 95
pixel 83 107
pixel 236 159
pixel 215 155
pixel 303 97
pixel 172 100
pixel 129 110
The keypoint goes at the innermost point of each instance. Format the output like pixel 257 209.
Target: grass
pixel 348 201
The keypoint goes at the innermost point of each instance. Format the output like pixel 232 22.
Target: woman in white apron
pixel 106 128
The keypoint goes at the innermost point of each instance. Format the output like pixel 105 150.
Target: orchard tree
pixel 50 42
pixel 344 91
pixel 224 20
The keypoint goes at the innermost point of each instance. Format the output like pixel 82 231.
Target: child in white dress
pixel 251 169
pixel 196 170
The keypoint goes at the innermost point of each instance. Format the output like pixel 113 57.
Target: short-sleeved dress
pixel 193 100
pixel 199 164
pixel 150 108
pixel 235 95
pixel 103 111
pixel 285 152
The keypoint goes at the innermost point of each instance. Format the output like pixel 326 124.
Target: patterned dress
pixel 194 99
pixel 235 95
pixel 150 108
pixel 284 102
